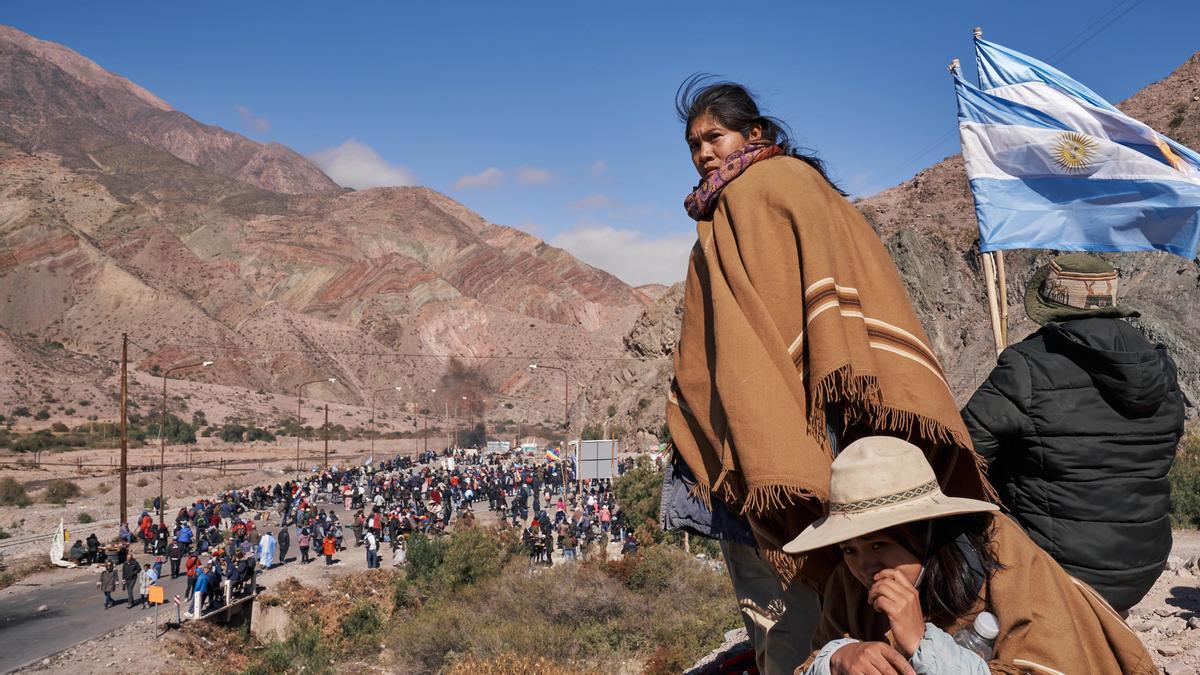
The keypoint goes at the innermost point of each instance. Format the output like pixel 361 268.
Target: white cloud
pixel 488 178
pixel 630 255
pixel 598 168
pixel 528 175
pixel 257 123
pixel 593 202
pixel 355 164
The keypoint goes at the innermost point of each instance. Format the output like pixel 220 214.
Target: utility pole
pixel 299 419
pixel 326 429
pixel 124 428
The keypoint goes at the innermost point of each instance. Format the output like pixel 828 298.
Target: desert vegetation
pixel 471 599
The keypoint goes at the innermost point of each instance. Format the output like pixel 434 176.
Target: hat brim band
pixel 838 527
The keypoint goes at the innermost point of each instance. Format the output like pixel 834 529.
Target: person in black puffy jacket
pixel 1079 423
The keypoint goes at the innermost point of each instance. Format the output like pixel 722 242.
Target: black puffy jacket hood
pixel 1129 371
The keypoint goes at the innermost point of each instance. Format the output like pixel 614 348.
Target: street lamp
pixel 566 393
pixel 459 419
pixel 425 433
pixel 373 415
pixel 299 419
pixel 162 433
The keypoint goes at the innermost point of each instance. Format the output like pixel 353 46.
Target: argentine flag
pixel 1053 165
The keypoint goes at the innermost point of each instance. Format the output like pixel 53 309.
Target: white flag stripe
pixel 1077 113
pixel 1007 152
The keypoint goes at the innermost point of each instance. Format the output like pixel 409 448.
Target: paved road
pixel 75 607
pixel 74 613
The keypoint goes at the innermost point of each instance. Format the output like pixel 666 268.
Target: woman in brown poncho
pixel 797 337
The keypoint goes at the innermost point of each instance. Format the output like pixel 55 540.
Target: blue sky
pixel 558 117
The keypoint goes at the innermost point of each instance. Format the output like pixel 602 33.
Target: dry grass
pixel 654 613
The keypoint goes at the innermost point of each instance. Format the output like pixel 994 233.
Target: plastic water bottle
pixel 980 637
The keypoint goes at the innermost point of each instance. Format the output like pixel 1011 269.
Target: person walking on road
pixel 329 547
pixel 129 575
pixel 145 580
pixel 305 540
pixel 285 542
pixel 200 588
pixel 372 545
pixel 266 548
pixel 108 584
pixel 175 555
pixel 190 565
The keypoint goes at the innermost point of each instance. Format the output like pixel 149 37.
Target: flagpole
pixel 1003 278
pixel 989 278
pixel 989 263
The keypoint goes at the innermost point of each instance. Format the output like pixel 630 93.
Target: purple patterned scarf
pixel 703 199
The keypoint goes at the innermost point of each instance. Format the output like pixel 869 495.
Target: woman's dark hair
pixel 734 107
pixel 958 560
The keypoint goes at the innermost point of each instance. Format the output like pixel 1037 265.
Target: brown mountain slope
pixel 104 232
pixel 47 90
pixel 928 224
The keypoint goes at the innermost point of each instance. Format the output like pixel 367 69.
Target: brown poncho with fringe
pixel 792 305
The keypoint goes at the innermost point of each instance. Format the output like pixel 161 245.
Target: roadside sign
pixel 596 459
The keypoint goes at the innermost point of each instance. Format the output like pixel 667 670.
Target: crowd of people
pixel 220 544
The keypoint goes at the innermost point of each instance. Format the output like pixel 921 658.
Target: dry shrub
pixel 206 643
pixel 59 491
pixel 509 663
pixel 662 609
pixel 329 609
pixel 12 493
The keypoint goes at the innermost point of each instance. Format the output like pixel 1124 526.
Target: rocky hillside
pixel 119 214
pixel 928 225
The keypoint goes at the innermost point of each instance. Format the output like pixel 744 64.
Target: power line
pixel 1059 54
pixel 1101 30
pixel 386 353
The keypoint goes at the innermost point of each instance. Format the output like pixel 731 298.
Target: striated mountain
pixel 112 220
pixel 54 100
pixel 928 225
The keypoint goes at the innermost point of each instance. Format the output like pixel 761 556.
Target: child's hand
pixel 869 657
pixel 893 594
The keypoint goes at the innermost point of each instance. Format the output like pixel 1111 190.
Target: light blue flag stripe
pixel 979 106
pixel 1000 66
pixel 1073 213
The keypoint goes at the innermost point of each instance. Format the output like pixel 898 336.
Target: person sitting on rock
pixel 1079 423
pixel 918 567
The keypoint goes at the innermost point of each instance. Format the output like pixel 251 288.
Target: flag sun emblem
pixel 1074 151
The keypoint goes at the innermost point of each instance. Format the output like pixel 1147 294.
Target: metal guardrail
pixel 35 538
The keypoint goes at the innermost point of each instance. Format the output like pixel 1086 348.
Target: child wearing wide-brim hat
pixel 918 566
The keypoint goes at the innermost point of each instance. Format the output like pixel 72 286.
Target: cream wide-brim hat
pixel 879 482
